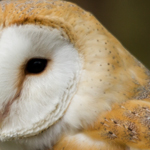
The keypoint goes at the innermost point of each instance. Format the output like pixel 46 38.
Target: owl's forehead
pixel 33 8
pixel 22 4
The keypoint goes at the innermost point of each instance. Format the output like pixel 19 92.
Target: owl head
pixel 59 69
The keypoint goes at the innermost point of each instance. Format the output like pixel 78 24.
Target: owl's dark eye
pixel 36 65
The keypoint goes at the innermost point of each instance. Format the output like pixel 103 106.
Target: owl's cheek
pixel 30 114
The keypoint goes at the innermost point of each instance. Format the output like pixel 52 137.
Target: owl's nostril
pixel 36 65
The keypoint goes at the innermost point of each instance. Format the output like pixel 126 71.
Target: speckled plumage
pixel 114 83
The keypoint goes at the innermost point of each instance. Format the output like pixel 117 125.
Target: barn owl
pixel 66 83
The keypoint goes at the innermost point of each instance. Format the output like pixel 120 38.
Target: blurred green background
pixel 128 20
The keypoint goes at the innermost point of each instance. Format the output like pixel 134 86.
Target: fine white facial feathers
pixel 32 103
